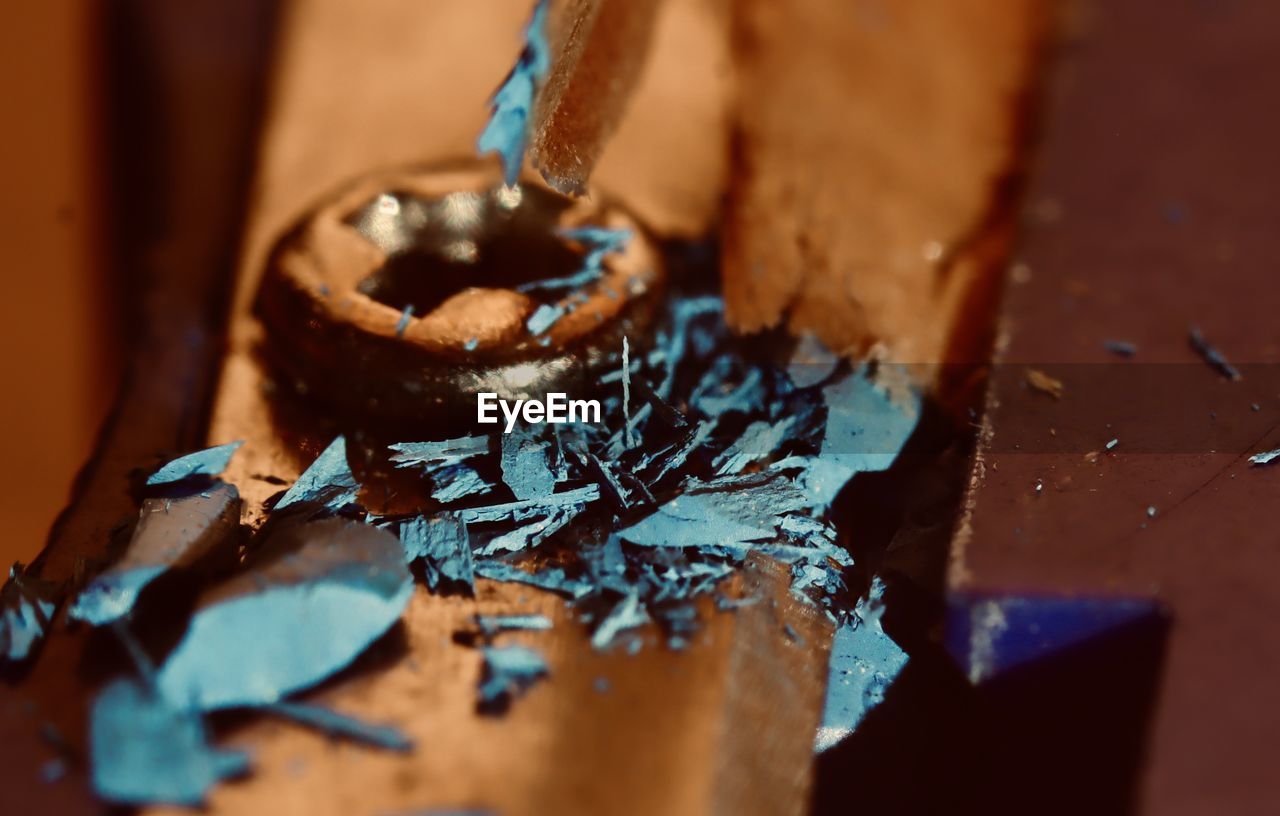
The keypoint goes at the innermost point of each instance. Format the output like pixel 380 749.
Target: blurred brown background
pixel 57 326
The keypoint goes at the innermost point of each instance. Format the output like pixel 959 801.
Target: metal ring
pixel 465 251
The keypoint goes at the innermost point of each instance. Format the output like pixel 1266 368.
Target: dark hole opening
pixel 438 247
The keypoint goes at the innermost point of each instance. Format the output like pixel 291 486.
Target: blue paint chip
pixel 599 242
pixel 723 512
pixel 315 597
pixel 1120 348
pixel 525 468
pixel 344 726
pixel 452 483
pixel 27 605
pixel 760 440
pixel 864 663
pixel 576 281
pixel 523 509
pixel 811 362
pixel 443 546
pixel 543 318
pixel 442 453
pixel 146 751
pixel 208 462
pixel 1211 355
pixel 403 322
pixel 493 625
pixel 1264 458
pixel 552 579
pixel 529 534
pixel 508 672
pixel 171 534
pixel 507 132
pixel 626 615
pixel 865 430
pixel 328 481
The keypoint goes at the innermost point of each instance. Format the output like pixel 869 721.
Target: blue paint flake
pixel 626 615
pixel 811 362
pixel 529 508
pixel 761 439
pixel 864 663
pixel 599 243
pixel 531 534
pixel 171 534
pixel 628 442
pixel 146 751
pixel 553 579
pixel 445 452
pixel 208 462
pixel 327 481
pixel 507 132
pixel 335 724
pixel 715 396
pixel 708 514
pixel 1211 355
pixel 524 466
pixel 451 483
pixel 443 546
pixel 403 322
pixel 509 671
pixel 1120 348
pixel 27 605
pixel 575 282
pixel 543 318
pixel 679 454
pixel 865 430
pixel 492 625
pixel 1265 458
pixel 317 595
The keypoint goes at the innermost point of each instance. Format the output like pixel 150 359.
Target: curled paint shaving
pixel 511 110
pixel 1265 458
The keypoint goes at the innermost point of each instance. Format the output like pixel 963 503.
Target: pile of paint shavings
pixel 715 458
pixel 705 457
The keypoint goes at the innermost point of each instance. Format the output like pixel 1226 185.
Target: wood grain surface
pixel 908 118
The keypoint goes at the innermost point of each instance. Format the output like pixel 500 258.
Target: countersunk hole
pixel 438 247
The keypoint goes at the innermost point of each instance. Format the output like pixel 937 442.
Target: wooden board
pixel 1149 211
pixel 725 726
pixel 877 147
